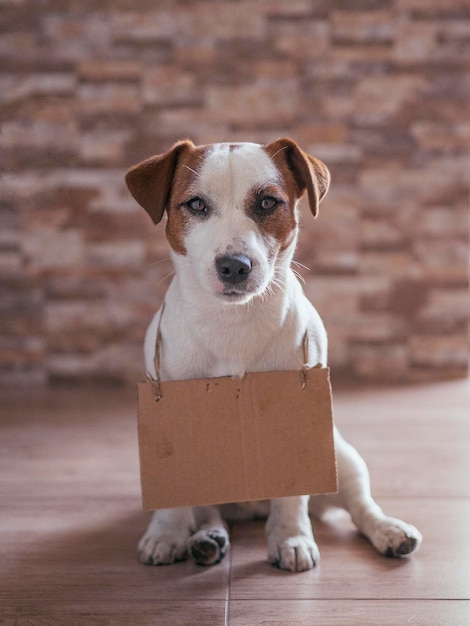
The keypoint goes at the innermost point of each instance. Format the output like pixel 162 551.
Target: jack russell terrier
pixel 236 306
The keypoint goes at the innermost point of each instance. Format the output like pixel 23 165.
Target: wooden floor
pixel 70 518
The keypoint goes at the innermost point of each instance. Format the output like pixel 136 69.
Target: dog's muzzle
pixel 233 269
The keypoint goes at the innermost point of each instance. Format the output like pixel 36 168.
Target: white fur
pixel 204 335
pixel 226 178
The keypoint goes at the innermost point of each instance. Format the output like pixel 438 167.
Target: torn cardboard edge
pixel 218 440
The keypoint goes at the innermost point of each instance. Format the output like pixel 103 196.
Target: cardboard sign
pixel 218 440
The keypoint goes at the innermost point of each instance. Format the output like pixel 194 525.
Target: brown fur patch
pixel 277 153
pixel 281 224
pixel 301 171
pixel 185 175
pixel 163 182
pixel 150 181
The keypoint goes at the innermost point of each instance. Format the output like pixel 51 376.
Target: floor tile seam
pixel 343 599
pixel 228 598
pixel 411 498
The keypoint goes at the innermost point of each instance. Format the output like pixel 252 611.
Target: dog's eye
pixel 196 205
pixel 267 204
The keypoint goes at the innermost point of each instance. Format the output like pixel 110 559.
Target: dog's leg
pixel 291 544
pixel 211 541
pixel 166 538
pixel 390 536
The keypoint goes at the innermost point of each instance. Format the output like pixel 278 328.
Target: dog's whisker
pixel 268 292
pixel 278 281
pixel 191 170
pixel 280 150
pixel 278 286
pixel 158 230
pixel 301 265
pixel 165 277
pixel 166 259
pixel 299 276
pixel 264 294
pixel 279 274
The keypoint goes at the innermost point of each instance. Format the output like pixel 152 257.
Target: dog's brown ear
pixel 308 172
pixel 150 181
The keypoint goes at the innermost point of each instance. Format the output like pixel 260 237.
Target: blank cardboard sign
pixel 218 440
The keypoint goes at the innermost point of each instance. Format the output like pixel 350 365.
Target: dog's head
pixel 232 219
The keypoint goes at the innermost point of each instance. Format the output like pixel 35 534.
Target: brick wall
pixel 379 90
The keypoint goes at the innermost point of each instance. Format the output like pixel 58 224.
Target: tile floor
pixel 70 518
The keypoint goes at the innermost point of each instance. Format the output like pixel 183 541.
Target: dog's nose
pixel 233 268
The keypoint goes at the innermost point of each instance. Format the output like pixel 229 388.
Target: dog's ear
pixel 150 181
pixel 308 172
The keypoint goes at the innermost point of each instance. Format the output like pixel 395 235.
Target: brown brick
pixel 441 136
pixel 265 102
pixel 163 87
pixel 443 221
pixel 447 311
pixel 336 152
pixel 224 20
pixel 328 132
pixel 146 26
pixel 116 362
pixel 443 259
pixel 104 70
pixel 294 8
pixel 363 27
pixel 362 58
pixel 380 234
pixel 103 147
pixel 124 254
pixel 380 98
pixel 408 297
pixel 416 41
pixel 440 350
pixel 46 249
pixel 308 38
pixel 48 84
pixel 393 263
pixel 382 362
pixel 102 99
pixel 430 5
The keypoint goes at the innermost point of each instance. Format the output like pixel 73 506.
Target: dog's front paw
pixel 208 546
pixel 155 549
pixel 295 554
pixel 395 538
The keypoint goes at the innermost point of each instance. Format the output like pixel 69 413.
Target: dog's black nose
pixel 233 268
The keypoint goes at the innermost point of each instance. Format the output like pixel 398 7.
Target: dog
pixel 234 306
